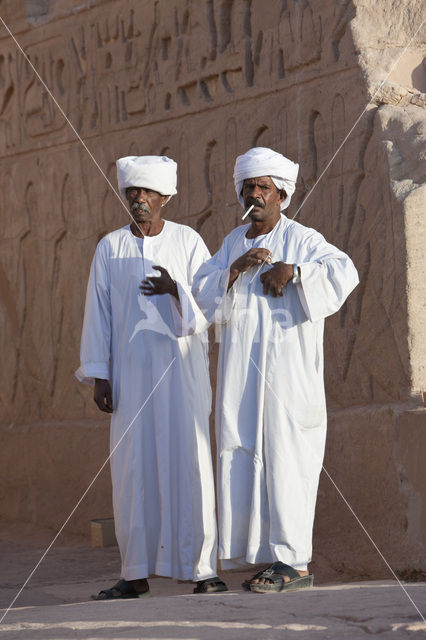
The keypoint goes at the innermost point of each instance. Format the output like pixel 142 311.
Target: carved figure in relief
pixel 37 372
pixel 144 348
pixel 7 97
pixel 271 285
pixel 13 293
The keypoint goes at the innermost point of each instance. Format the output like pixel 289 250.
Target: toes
pixel 261 581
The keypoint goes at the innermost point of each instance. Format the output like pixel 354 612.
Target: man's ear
pixel 283 195
pixel 164 200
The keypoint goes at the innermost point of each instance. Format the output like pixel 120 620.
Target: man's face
pixel 264 195
pixel 144 204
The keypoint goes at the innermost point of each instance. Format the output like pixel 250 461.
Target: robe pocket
pixel 309 415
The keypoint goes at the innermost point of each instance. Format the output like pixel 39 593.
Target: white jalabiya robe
pixel 163 491
pixel 270 402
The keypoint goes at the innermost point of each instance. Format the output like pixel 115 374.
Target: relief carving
pixel 201 82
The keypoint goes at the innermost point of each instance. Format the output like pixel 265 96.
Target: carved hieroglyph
pixel 203 82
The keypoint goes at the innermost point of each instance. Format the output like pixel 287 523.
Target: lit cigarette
pixel 247 212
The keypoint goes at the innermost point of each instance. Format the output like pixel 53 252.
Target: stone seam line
pixel 345 501
pixel 85 493
pixel 129 213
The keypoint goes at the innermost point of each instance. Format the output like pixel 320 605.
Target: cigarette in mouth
pixel 247 212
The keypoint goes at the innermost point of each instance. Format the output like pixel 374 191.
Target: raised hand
pixel 274 280
pixel 159 285
pixel 252 258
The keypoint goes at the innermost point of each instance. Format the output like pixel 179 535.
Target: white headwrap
pixel 152 172
pixel 261 161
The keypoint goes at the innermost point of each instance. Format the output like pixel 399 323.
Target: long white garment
pixel 163 491
pixel 270 402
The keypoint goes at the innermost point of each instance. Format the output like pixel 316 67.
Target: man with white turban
pixel 144 348
pixel 270 285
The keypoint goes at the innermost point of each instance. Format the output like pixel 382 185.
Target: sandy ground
pixel 56 602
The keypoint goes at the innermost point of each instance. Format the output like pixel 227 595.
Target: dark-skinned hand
pixel 274 280
pixel 252 258
pixel 159 285
pixel 103 395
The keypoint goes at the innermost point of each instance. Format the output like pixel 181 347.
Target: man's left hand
pixel 157 286
pixel 274 280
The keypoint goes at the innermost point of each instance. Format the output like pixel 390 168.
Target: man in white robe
pixel 271 285
pixel 144 348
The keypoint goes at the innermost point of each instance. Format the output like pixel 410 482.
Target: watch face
pixel 295 273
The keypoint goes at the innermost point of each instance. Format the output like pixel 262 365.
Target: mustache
pixel 253 201
pixel 139 206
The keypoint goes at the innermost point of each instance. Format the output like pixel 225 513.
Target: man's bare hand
pixel 159 285
pixel 274 280
pixel 252 258
pixel 103 395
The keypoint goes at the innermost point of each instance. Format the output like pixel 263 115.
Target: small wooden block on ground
pixel 102 532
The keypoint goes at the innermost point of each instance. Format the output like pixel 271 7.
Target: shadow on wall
pixel 418 77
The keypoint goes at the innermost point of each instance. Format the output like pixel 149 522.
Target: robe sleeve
pixel 95 349
pixel 210 287
pixel 187 315
pixel 327 278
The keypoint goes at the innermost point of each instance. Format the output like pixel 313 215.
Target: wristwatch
pixel 296 274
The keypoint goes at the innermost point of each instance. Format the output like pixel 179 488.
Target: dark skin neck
pixel 150 228
pixel 261 227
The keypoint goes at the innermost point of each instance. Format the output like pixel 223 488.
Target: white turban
pixel 261 161
pixel 158 173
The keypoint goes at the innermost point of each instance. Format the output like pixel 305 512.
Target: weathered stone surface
pixel 375 457
pixel 202 82
pixel 324 613
pixel 46 468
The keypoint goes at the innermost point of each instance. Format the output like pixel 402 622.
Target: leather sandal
pixel 210 585
pixel 275 574
pixel 122 590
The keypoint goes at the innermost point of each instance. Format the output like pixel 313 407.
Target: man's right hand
pixel 252 258
pixel 103 395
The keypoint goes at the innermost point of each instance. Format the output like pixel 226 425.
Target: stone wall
pixel 202 81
